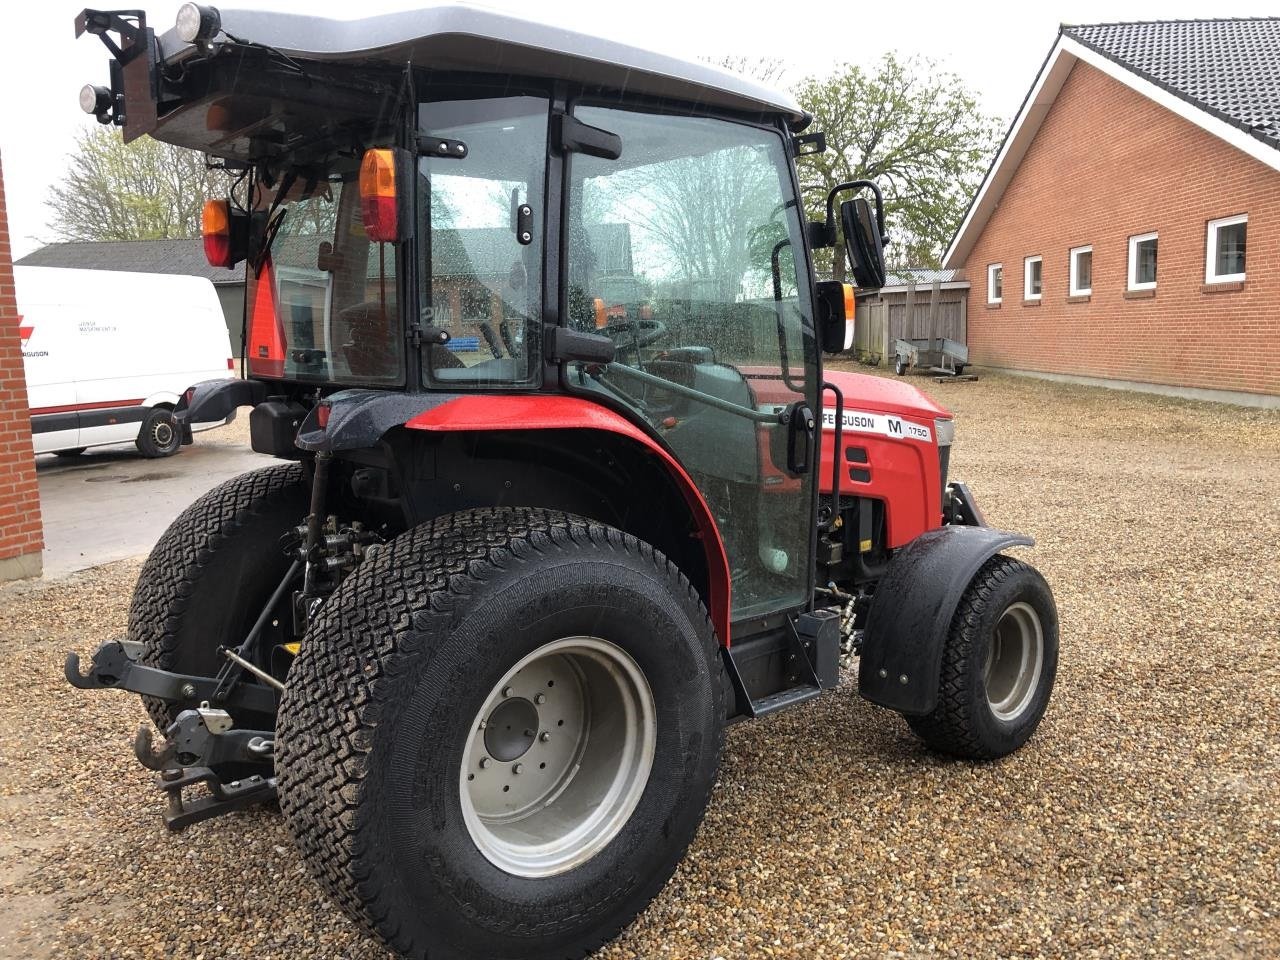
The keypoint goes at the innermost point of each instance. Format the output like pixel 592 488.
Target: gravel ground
pixel 1144 819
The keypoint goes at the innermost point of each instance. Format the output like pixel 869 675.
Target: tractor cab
pixel 533 327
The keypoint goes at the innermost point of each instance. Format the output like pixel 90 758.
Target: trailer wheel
pixel 209 576
pixel 998 665
pixel 501 734
pixel 899 367
pixel 159 435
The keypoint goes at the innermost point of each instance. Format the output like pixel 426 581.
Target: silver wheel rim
pixel 558 757
pixel 1015 659
pixel 162 433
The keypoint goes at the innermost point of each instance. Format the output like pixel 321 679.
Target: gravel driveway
pixel 1144 819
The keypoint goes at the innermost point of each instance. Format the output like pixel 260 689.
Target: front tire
pixel 998 665
pixel 593 666
pixel 159 435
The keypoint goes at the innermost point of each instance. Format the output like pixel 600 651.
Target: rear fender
pixel 911 613
pixel 212 401
pixel 358 419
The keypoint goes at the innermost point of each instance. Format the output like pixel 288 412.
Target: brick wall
pixel 20 530
pixel 1106 164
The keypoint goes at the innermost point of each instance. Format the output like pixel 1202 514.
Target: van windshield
pixel 321 302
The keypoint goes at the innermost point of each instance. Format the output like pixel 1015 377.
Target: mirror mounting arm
pixel 855 185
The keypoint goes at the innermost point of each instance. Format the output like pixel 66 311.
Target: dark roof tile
pixel 185 257
pixel 1229 68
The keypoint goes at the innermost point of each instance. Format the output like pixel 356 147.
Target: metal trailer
pixel 941 356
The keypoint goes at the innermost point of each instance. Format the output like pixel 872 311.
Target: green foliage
pixel 915 131
pixel 144 190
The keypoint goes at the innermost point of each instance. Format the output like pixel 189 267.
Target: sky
pixel 996 48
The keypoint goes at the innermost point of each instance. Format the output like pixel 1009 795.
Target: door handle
pixel 801 424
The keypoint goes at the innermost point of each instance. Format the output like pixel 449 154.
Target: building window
pixel 1081 283
pixel 995 275
pixel 1032 277
pixel 1142 261
pixel 1224 252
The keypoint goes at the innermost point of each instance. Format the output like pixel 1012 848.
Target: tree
pixel 915 131
pixel 144 190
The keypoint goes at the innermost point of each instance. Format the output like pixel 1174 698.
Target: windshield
pixel 321 304
pixel 483 279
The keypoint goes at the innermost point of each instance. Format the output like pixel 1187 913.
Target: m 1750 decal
pixel 886 425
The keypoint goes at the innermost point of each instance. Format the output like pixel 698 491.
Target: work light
pixel 94 99
pixel 197 22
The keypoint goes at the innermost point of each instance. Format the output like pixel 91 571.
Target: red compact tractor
pixel 532 326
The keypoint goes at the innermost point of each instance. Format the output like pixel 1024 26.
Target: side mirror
pixel 836 309
pixel 864 243
pixel 385 196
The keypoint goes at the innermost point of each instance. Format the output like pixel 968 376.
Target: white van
pixel 108 354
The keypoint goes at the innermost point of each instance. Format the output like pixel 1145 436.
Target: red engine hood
pixel 861 392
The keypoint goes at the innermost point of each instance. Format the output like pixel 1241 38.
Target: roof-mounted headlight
pixel 94 99
pixel 197 22
pixel 946 431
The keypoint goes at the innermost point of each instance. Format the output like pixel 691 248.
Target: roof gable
pixel 1191 66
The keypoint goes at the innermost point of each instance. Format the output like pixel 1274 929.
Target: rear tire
pixel 209 576
pixel 998 665
pixel 379 745
pixel 159 435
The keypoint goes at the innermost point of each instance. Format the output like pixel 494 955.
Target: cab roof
pixel 465 38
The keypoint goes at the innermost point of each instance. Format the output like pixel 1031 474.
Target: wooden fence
pixel 916 313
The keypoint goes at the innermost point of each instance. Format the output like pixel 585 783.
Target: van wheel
pixel 159 436
pixel 69 454
pixel 501 734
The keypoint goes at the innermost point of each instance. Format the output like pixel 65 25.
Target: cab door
pixel 686 250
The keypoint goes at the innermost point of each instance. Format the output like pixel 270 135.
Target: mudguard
pixel 212 401
pixel 911 613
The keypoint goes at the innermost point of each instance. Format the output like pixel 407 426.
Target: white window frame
pixel 1133 261
pixel 1026 278
pixel 1211 250
pixel 1074 289
pixel 991 283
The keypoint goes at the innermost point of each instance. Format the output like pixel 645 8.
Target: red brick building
pixel 21 537
pixel 1129 228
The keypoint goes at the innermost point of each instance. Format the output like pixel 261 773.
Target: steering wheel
pixel 635 334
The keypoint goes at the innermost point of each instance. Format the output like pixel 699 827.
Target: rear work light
pixel 381 174
pixel 225 232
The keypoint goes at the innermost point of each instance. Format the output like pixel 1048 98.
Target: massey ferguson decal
pixel 24 334
pixel 886 425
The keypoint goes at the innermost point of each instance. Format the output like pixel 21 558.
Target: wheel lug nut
pixel 545 738
pixel 506 691
pixel 518 768
pixel 540 698
pixel 484 763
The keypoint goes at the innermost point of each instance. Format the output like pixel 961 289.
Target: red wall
pixel 20 528
pixel 1106 164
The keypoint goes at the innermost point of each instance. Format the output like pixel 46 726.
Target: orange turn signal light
pixel 215 227
pixel 379 203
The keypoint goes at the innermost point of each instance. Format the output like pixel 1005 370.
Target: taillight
pixel 215 226
pixel 231 364
pixel 378 200
pixel 322 415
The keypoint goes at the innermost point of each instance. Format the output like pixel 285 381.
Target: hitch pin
pixel 256 671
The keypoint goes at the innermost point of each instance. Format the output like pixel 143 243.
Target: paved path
pixel 110 503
